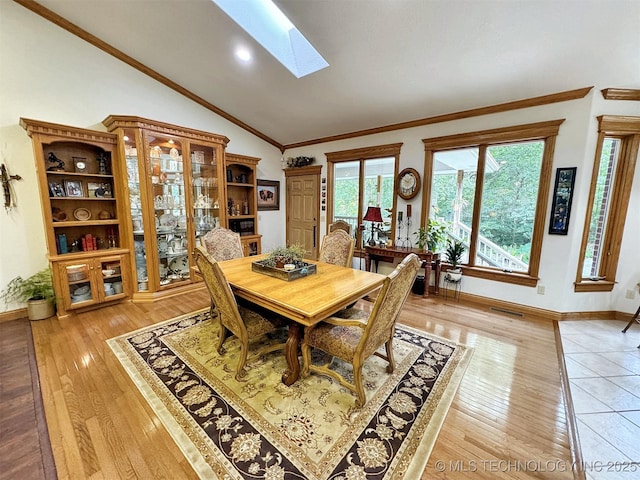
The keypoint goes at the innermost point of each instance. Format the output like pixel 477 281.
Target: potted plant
pixel 432 235
pixel 36 291
pixel 281 256
pixel 455 250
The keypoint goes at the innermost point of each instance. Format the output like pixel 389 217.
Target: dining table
pixel 304 301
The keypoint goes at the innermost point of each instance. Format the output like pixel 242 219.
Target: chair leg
pixel 240 372
pixel 633 319
pixel 359 387
pixel 221 338
pixel 389 348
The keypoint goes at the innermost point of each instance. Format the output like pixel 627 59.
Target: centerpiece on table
pixel 285 263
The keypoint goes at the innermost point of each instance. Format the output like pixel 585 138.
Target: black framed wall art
pixel 562 196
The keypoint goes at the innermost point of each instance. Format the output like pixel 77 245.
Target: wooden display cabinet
pixel 175 193
pixel 80 194
pixel 242 202
pixel 90 281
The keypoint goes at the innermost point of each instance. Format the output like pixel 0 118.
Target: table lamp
pixel 373 215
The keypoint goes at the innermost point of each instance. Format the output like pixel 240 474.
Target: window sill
pixel 593 286
pixel 498 276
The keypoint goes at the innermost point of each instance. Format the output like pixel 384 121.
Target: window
pixel 613 169
pixel 491 188
pixel 361 178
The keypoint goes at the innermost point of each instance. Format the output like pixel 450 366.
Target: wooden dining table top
pixel 306 300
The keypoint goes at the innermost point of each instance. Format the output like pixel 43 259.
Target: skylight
pixel 266 23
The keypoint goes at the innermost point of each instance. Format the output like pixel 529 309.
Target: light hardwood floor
pixel 507 420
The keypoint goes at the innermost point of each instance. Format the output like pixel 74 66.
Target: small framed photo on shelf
pixel 268 195
pixel 73 188
pixel 56 190
pixel 99 190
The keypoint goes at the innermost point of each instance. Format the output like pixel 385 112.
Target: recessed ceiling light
pixel 243 54
pixel 271 28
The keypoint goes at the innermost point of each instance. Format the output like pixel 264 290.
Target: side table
pixel 430 261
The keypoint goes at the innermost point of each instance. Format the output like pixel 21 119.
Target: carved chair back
pixel 337 248
pixel 223 244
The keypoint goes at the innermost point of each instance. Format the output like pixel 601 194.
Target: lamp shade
pixel 373 214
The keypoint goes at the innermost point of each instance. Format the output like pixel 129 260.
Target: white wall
pixel 575 146
pixel 48 74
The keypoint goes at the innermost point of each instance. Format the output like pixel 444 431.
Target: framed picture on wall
pixel 562 196
pixel 268 195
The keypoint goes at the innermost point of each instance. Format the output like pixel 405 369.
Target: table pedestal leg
pixel 291 354
pixel 427 278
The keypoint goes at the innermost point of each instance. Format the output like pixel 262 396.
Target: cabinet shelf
pixel 84 223
pixel 64 173
pixel 84 199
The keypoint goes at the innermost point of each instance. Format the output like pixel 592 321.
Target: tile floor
pixel 603 365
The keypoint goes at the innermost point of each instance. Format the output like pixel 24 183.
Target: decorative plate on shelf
pixel 168 220
pixel 174 153
pixel 182 221
pixel 82 214
pixel 179 264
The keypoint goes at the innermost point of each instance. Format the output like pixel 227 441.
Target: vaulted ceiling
pixel 391 61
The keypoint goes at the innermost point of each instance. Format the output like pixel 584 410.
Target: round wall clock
pixel 408 183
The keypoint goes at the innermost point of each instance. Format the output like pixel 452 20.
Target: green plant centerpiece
pixel 432 235
pixel 281 256
pixel 36 291
pixel 454 252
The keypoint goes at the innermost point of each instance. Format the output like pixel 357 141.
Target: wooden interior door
pixel 303 208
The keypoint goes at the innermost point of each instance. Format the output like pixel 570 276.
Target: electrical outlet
pixel 540 289
pixel 631 294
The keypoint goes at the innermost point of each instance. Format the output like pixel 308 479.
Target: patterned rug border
pixel 420 457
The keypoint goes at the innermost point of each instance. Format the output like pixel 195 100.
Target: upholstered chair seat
pixel 245 321
pixel 353 335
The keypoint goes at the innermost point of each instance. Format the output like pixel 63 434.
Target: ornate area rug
pixel 260 428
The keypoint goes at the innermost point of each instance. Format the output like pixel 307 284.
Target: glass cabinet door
pixel 205 190
pixel 77 284
pixel 111 272
pixel 170 260
pixel 136 205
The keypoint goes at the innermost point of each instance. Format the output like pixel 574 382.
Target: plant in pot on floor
pixel 36 291
pixel 454 252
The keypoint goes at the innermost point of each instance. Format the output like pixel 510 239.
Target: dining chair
pixel 245 322
pixel 337 248
pixel 353 335
pixel 340 225
pixel 223 244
